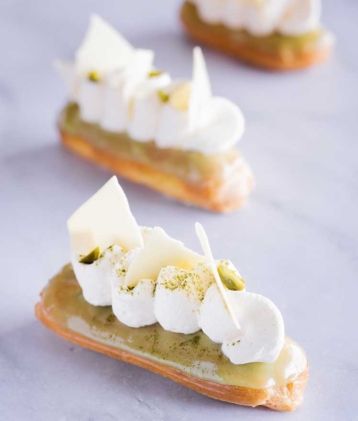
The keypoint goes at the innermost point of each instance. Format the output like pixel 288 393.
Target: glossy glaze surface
pixel 189 165
pixel 195 354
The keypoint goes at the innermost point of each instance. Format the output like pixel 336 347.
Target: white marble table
pixel 296 242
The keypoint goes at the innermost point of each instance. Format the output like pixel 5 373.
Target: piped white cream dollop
pixel 95 278
pixel 146 108
pixel 262 17
pixel 133 306
pixel 173 124
pixel 263 332
pixel 90 100
pixel 301 16
pixel 214 318
pixel 262 329
pixel 178 297
pixel 211 11
pixel 217 119
pixel 115 111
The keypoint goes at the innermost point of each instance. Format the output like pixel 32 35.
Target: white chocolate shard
pixel 103 49
pixel 200 87
pixel 160 250
pixel 210 259
pixel 105 219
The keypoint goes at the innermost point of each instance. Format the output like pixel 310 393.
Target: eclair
pixel 171 135
pixel 136 294
pixel 271 34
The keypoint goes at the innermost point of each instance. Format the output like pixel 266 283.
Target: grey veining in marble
pixel 296 242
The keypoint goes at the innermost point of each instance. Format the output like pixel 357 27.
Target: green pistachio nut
pixel 94 77
pixel 111 318
pixel 155 73
pixel 163 96
pixel 91 257
pixel 231 279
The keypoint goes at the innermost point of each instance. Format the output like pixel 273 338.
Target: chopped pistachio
pixel 163 96
pixel 155 73
pixel 91 257
pixel 111 318
pixel 179 99
pixel 93 76
pixel 127 290
pixel 230 278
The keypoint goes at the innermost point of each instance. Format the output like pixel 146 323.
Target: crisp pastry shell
pixel 251 55
pixel 282 398
pixel 218 197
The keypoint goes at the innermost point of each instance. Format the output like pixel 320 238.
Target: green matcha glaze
pixel 188 165
pixel 195 354
pixel 274 43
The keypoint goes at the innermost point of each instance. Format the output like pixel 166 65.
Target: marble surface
pixel 296 242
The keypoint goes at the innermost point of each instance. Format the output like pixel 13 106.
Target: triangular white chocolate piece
pixel 160 250
pixel 200 86
pixel 103 49
pixel 105 219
